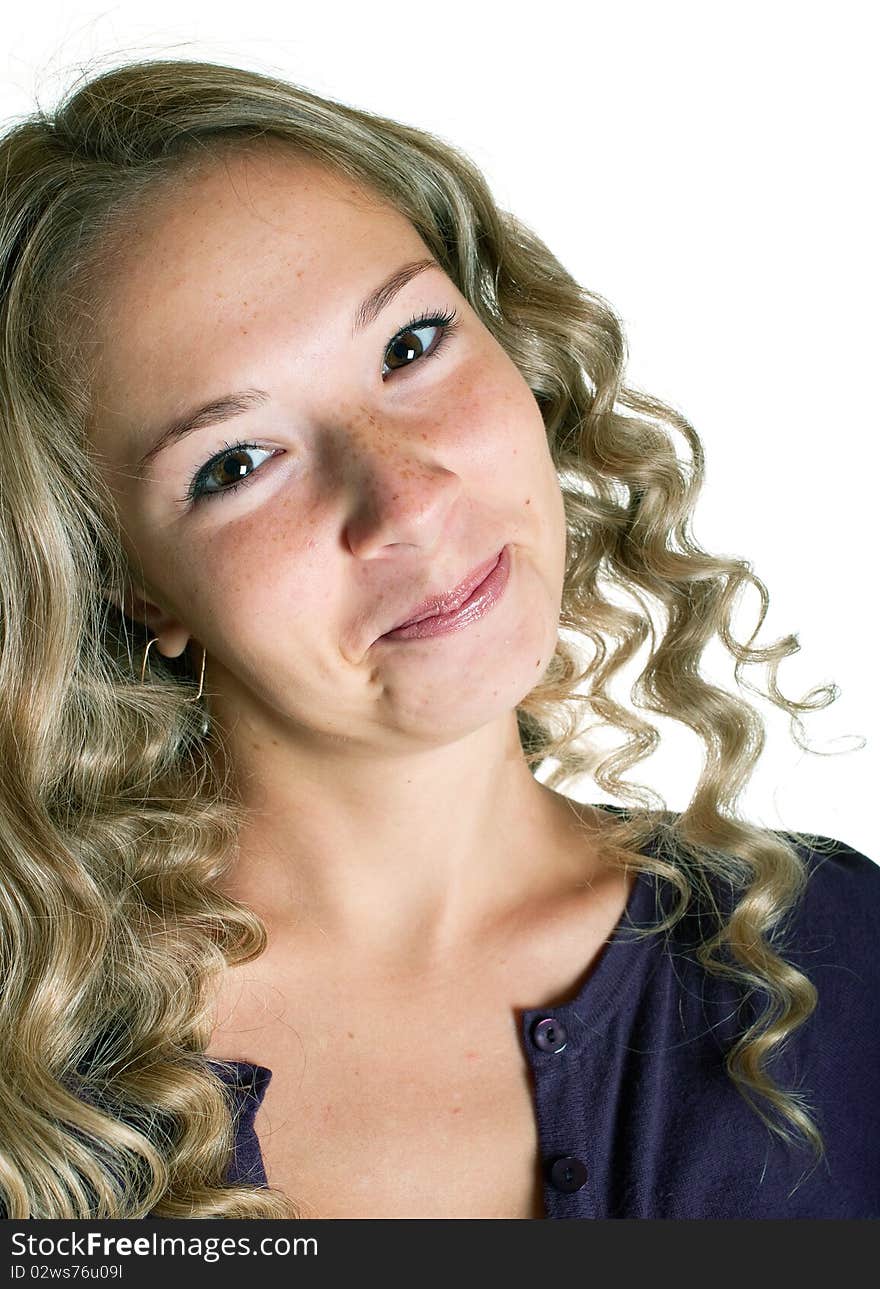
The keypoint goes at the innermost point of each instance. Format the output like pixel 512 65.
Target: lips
pixel 450 600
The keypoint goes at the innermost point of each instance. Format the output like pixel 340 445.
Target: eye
pixel 227 467
pixel 407 345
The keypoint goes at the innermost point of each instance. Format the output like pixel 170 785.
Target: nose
pixel 400 497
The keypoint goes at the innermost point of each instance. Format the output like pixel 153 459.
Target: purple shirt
pixel 636 1115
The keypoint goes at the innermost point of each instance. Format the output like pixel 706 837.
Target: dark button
pixel 568 1173
pixel 549 1034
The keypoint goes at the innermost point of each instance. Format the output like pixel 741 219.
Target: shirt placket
pixel 560 1114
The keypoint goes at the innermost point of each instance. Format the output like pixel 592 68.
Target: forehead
pixel 242 216
pixel 231 250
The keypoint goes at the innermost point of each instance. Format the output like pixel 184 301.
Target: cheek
pixel 267 560
pixel 493 422
pixel 494 434
pixel 518 454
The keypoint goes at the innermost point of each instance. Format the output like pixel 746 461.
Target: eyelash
pixel 445 321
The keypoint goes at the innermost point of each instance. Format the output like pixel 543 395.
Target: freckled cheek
pixel 512 453
pixel 497 424
pixel 270 569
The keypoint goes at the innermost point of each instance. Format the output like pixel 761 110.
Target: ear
pixel 140 608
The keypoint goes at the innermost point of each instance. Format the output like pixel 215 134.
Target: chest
pixel 376 1118
pixel 414 1099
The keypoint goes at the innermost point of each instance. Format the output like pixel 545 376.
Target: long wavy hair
pixel 118 813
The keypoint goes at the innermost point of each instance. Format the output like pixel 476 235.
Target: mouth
pixel 449 601
pixel 467 603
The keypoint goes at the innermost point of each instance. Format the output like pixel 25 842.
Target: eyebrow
pixel 228 406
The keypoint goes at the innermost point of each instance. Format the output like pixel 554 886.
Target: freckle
pixel 528 501
pixel 456 1109
pixel 470 1056
pixel 350 1035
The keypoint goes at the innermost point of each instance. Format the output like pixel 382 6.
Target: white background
pixel 709 170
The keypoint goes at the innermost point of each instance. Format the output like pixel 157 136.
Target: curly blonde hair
pixel 117 819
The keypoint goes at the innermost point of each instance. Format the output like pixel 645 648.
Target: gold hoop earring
pixel 201 678
pixel 146 652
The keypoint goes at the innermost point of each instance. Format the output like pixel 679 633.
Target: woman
pixel 283 901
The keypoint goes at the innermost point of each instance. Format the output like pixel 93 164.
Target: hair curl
pixel 116 820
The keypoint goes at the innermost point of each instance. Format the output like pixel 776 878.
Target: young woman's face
pixel 372 475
